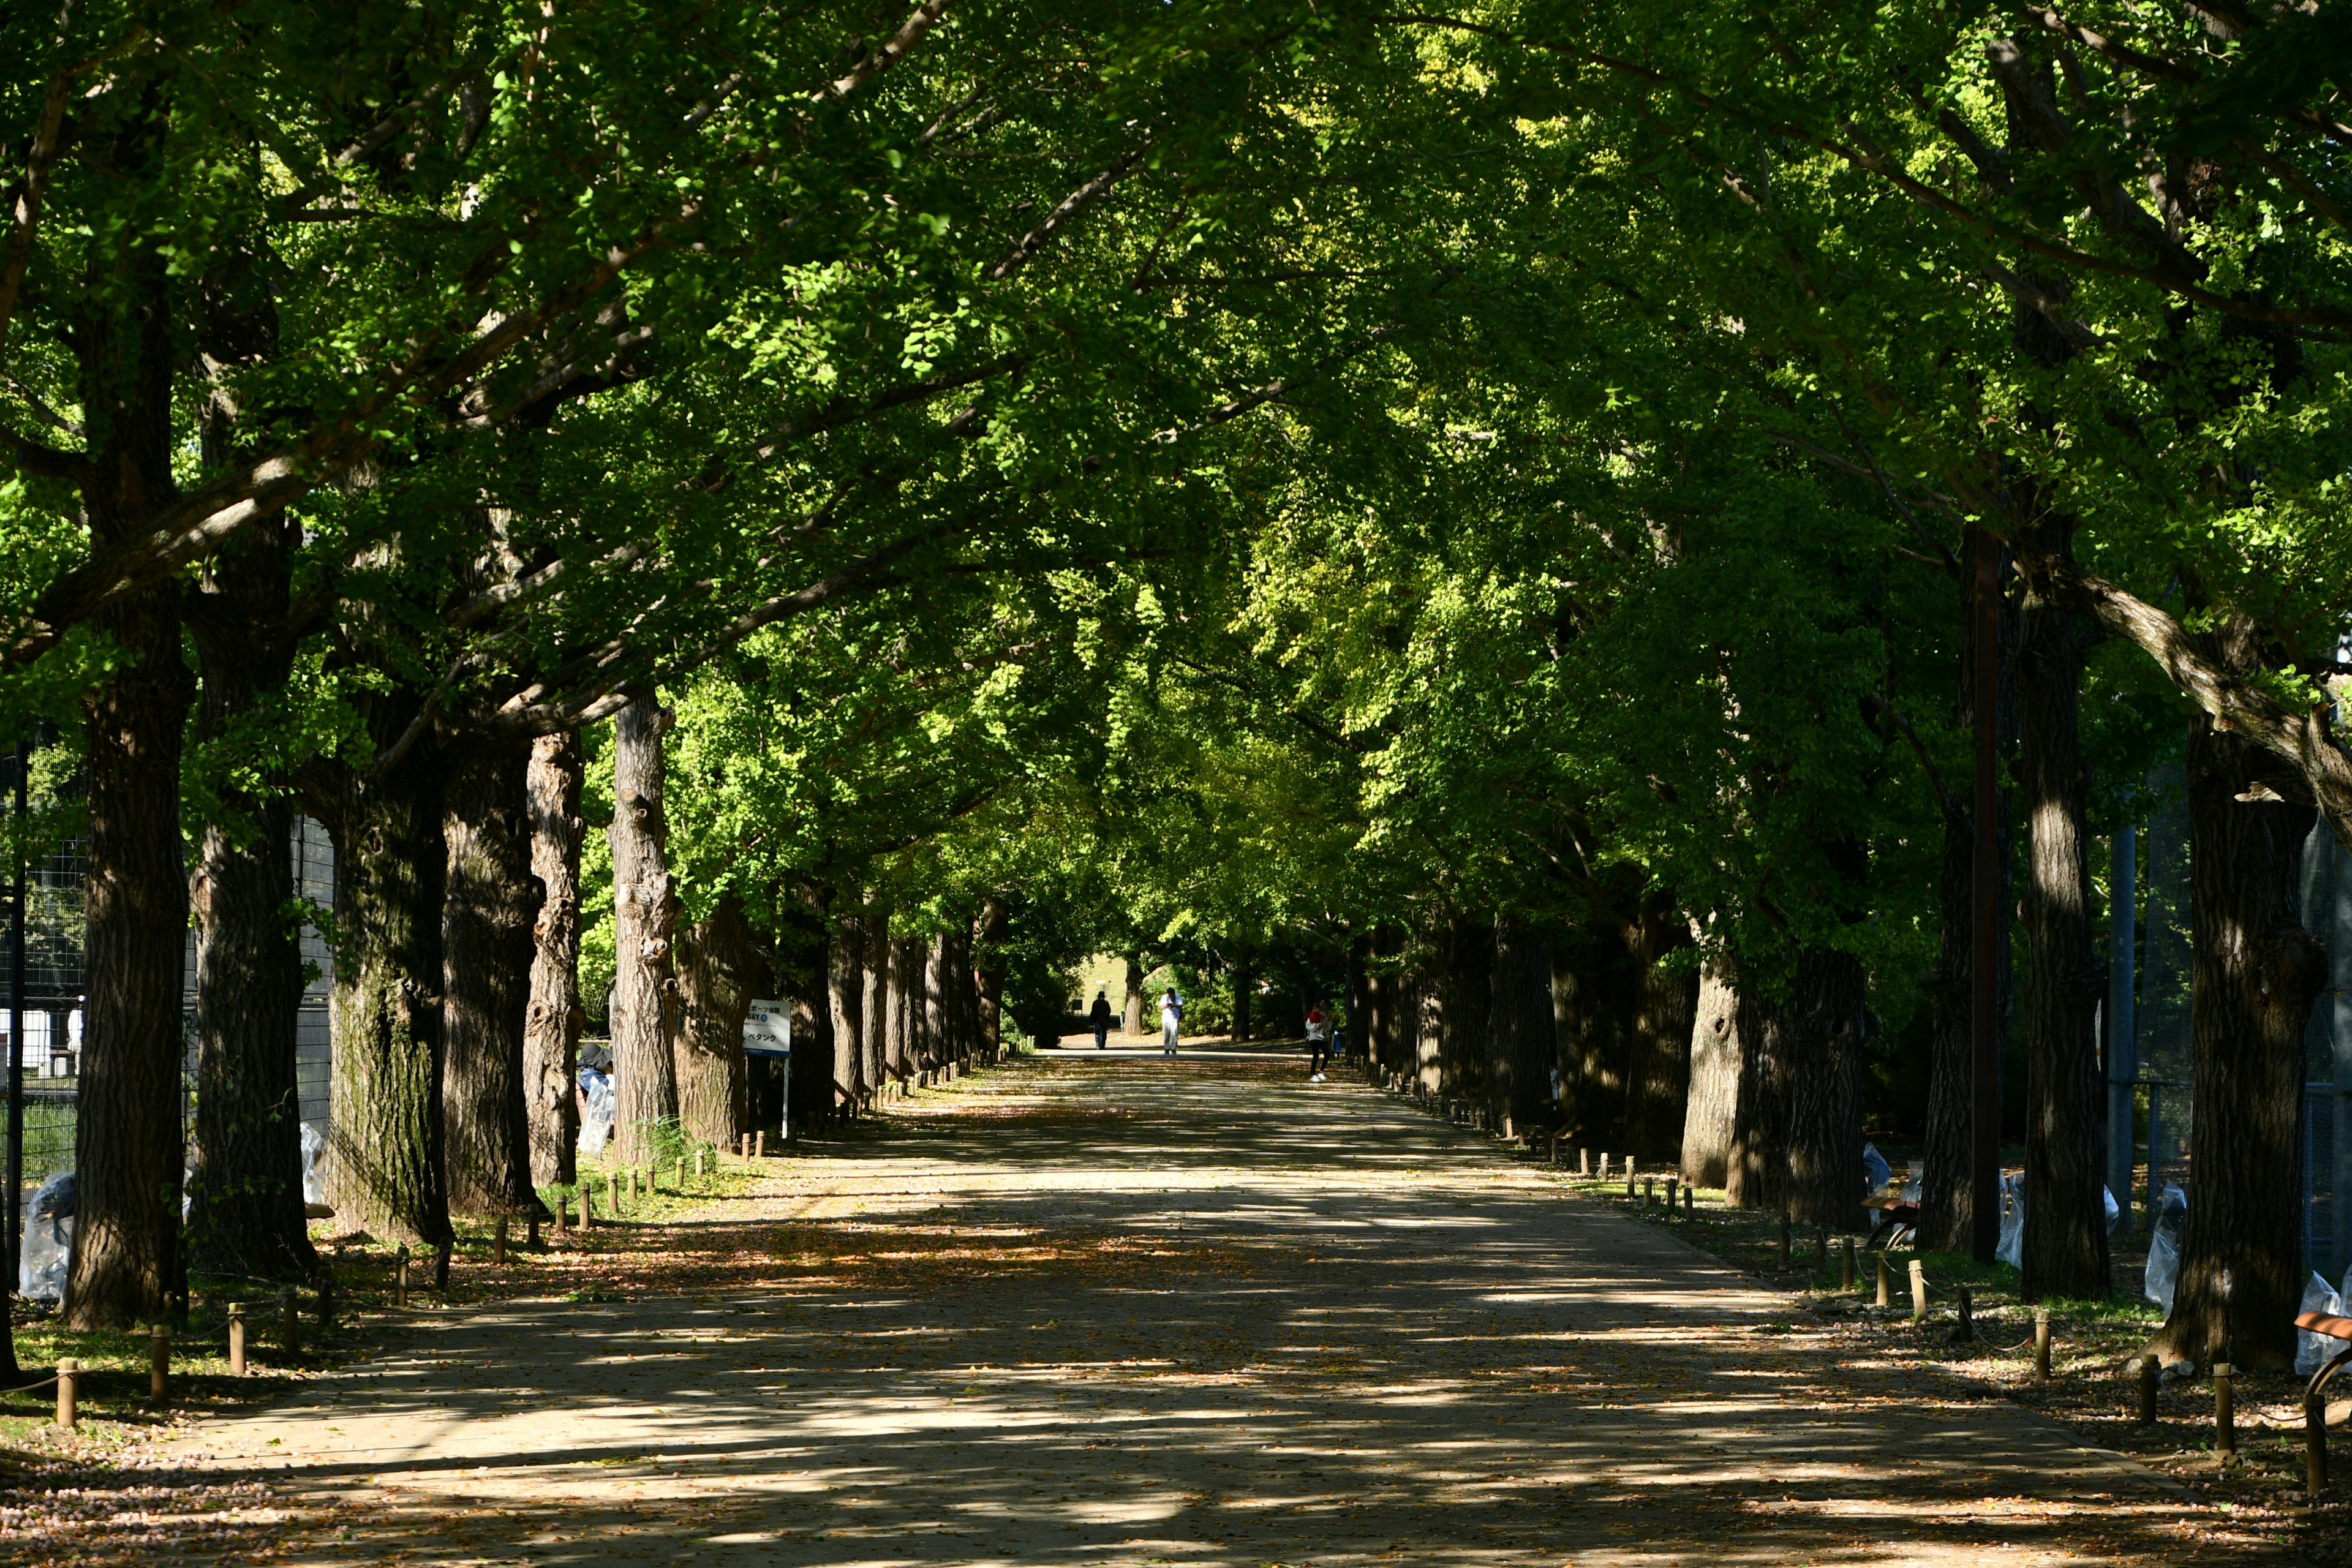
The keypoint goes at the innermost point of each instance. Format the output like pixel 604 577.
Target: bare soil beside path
pixel 1105 1308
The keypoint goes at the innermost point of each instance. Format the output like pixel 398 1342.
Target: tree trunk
pixel 489 901
pixel 1131 1018
pixel 992 976
pixel 244 1196
pixel 879 986
pixel 1826 1023
pixel 550 1045
pixel 1244 992
pixel 2256 973
pixel 905 1007
pixel 384 1167
pixel 939 1031
pixel 1757 1165
pixel 716 972
pixel 845 991
pixel 1468 981
pixel 1518 1028
pixel 644 921
pixel 1946 1207
pixel 1666 1000
pixel 2065 1239
pixel 1592 1004
pixel 1713 1102
pixel 1359 999
pixel 127 1139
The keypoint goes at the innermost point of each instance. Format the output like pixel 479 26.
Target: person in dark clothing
pixel 1100 1015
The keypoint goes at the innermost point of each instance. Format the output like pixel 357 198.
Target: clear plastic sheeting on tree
pixel 2012 1249
pixel 596 1109
pixel 2311 1350
pixel 314 1150
pixel 49 1241
pixel 2164 1247
pixel 1876 1173
pixel 2114 1210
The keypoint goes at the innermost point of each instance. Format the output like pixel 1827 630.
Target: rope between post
pixel 30 1386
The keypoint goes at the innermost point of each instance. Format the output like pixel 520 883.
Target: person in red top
pixel 1319 1042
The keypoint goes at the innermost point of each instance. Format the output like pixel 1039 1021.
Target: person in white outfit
pixel 1171 1018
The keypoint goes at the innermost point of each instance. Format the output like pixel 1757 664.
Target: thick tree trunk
pixel 845 993
pixel 991 968
pixel 1947 1208
pixel 905 1007
pixel 1713 1102
pixel 2065 1240
pixel 1592 1006
pixel 1467 982
pixel 1666 1000
pixel 716 971
pixel 879 986
pixel 2257 974
pixel 1518 1027
pixel 244 1196
pixel 644 921
pixel 1131 1014
pixel 384 1167
pixel 1757 1165
pixel 938 1017
pixel 127 1141
pixel 1826 1023
pixel 550 1045
pixel 489 901
pixel 1359 999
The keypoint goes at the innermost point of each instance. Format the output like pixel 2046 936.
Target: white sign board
pixel 768 1029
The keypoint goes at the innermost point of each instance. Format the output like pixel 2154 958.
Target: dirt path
pixel 1109 1309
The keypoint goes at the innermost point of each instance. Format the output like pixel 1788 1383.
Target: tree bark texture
pixel 645 923
pixel 1131 1013
pixel 384 1166
pixel 905 1007
pixel 878 981
pixel 716 969
pixel 1593 1006
pixel 1466 981
pixel 1518 1026
pixel 1360 998
pixel 1825 1023
pixel 939 1007
pixel 2065 1246
pixel 490 903
pixel 246 1213
pixel 1757 1165
pixel 1715 1061
pixel 991 973
pixel 845 992
pixel 2256 973
pixel 127 1139
pixel 551 1044
pixel 1666 1000
pixel 1946 1207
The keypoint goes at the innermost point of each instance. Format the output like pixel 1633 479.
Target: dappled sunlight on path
pixel 1114 1309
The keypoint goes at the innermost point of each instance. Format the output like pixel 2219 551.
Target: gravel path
pixel 1105 1308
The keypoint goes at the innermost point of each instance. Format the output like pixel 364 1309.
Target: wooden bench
pixel 2315 1395
pixel 1894 1216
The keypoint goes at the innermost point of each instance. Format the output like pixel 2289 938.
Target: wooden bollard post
pixel 1690 1202
pixel 498 1241
pixel 1630 1180
pixel 633 1187
pixel 1555 1150
pixel 1965 1331
pixel 159 1369
pixel 1583 1161
pixel 1672 1182
pixel 1845 1281
pixel 2315 1446
pixel 759 1144
pixel 531 1240
pixel 2042 1344
pixel 2151 1378
pixel 1784 1238
pixel 1604 1164
pixel 400 1276
pixel 1884 1283
pixel 2225 1415
pixel 613 1193
pixel 587 1219
pixel 236 1339
pixel 68 1370
pixel 1649 1191
pixel 1919 1291
pixel 290 1323
pixel 698 1162
pixel 681 1176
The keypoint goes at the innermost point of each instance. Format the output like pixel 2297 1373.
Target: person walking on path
pixel 1172 1017
pixel 1099 1016
pixel 1319 1042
